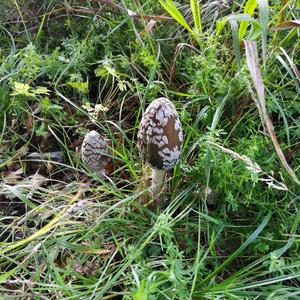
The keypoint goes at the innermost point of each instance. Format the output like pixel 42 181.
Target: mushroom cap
pixel 160 135
pixel 93 151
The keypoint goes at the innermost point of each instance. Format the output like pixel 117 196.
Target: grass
pixel 228 227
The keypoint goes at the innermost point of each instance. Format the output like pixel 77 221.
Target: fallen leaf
pixel 100 107
pixel 286 25
pixel 13 177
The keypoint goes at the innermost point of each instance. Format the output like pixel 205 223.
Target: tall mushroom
pixel 94 151
pixel 160 140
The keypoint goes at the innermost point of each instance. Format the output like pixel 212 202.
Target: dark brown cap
pixel 160 135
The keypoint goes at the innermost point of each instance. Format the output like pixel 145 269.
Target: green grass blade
pixel 17 193
pixel 216 119
pixel 293 66
pixel 269 281
pixel 242 247
pixel 296 222
pixel 236 43
pixel 264 16
pixel 171 8
pixel 219 26
pixel 252 270
pixel 40 31
pixel 290 72
pixel 233 21
pixel 249 9
pixel 23 21
pixel 196 11
pixel 6 275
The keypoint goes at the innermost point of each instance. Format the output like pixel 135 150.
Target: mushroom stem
pixel 158 177
pixel 100 173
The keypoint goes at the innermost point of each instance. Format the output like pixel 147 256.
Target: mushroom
pixel 160 140
pixel 94 152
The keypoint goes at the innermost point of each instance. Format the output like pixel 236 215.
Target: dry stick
pixel 252 61
pixel 133 14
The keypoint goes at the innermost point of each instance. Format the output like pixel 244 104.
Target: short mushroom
pixel 94 152
pixel 160 140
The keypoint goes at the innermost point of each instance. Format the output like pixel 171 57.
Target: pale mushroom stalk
pixel 94 152
pixel 160 140
pixel 157 183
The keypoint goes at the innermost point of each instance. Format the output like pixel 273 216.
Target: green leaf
pixel 233 19
pixel 171 8
pixel 236 43
pixel 45 102
pixel 264 16
pixel 25 89
pixel 6 275
pixel 196 11
pixel 41 90
pixel 82 87
pixel 106 69
pixel 141 293
pixel 249 9
pixel 220 25
pixel 254 32
pixel 22 89
pixel 241 17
